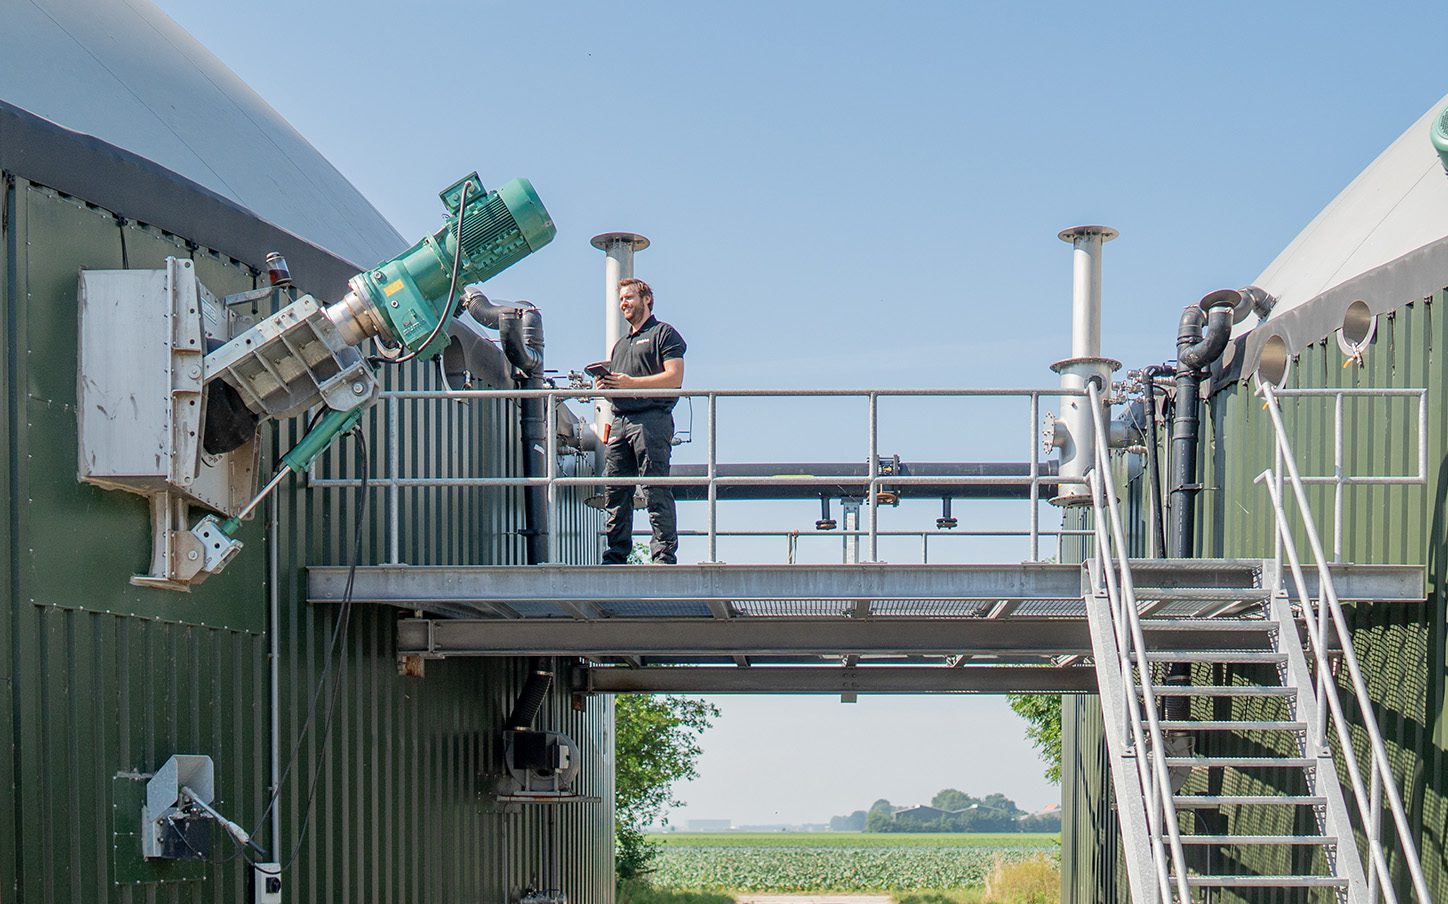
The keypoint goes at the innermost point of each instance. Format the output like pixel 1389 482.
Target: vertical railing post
pixel 1338 479
pixel 713 470
pixel 874 407
pixel 1375 826
pixel 1035 448
pixel 551 420
pixel 394 474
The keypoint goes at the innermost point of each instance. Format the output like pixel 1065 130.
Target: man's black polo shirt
pixel 642 354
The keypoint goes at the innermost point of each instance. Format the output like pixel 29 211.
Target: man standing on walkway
pixel 651 356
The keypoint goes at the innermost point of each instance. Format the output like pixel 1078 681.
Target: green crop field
pixel 786 862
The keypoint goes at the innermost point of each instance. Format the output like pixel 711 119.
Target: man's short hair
pixel 643 287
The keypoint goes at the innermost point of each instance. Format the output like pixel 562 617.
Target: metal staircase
pixel 1295 638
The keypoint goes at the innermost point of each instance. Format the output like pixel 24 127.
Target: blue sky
pixel 848 194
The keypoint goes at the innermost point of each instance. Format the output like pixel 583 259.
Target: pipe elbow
pixel 522 345
pixel 481 309
pixel 1203 336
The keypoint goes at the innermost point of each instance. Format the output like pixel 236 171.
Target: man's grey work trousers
pixel 639 444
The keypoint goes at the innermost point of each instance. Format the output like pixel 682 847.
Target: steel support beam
pixel 485 587
pixel 418 587
pixel 739 636
pixel 860 680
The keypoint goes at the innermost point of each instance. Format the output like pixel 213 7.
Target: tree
pixel 1042 713
pixel 656 743
pixel 951 799
pixel 881 817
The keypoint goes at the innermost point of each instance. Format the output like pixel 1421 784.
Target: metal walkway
pixel 1114 626
pixel 862 628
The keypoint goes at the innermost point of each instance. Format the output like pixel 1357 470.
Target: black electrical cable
pixel 452 286
pixel 344 618
pixel 339 629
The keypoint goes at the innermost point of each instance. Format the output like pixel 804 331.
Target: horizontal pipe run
pixel 838 680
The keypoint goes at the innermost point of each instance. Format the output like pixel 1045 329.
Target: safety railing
pixel 1328 635
pixel 1339 479
pixel 1143 732
pixel 870 484
pixel 792 538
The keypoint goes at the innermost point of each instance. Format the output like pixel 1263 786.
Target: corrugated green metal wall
pixel 102 681
pixel 1401 647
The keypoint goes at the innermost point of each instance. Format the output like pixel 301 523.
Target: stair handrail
pixel 1130 642
pixel 1320 615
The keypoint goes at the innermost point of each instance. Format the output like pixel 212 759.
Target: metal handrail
pixel 1341 480
pixel 1327 612
pixel 870 483
pixel 1152 770
pixel 792 537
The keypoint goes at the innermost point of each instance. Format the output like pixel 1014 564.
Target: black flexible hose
pixel 532 696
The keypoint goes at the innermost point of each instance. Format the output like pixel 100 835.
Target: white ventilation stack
pixel 618 249
pixel 1073 434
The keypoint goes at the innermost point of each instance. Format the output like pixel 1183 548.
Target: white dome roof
pixel 1397 205
pixel 122 71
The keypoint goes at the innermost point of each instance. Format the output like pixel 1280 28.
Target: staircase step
pixel 1262 762
pixel 1199 594
pixel 1232 725
pixel 1265 881
pixel 1214 656
pixel 1207 801
pixel 1242 625
pixel 1222 690
pixel 1317 840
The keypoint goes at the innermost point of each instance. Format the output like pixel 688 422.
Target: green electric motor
pixel 1440 136
pixel 409 293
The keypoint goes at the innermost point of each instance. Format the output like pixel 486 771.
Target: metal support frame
pixel 693 637
pixel 839 680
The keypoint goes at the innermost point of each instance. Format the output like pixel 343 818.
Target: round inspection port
pixel 1359 326
pixel 1274 362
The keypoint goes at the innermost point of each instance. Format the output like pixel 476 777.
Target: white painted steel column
pixel 1078 444
pixel 618 249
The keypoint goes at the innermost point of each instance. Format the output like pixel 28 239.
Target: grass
pixel 1033 881
pixel 637 892
pixel 856 839
pixel 971 895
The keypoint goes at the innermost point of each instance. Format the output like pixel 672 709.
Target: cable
pixel 339 629
pixel 452 287
pixel 343 620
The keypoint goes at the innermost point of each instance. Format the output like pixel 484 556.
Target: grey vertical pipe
pixel 274 666
pixel 1086 243
pixel 618 249
pixel 1085 364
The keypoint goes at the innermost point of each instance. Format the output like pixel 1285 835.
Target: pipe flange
pixel 1064 364
pixel 605 240
pixel 1239 301
pixel 1072 233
